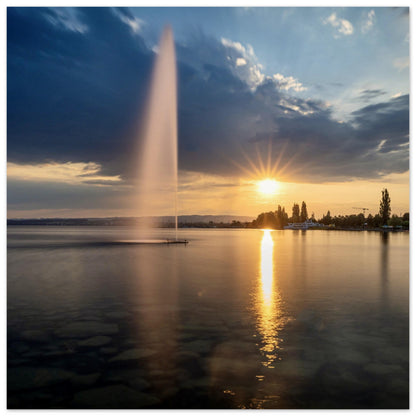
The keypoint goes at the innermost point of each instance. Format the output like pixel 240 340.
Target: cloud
pixel 370 94
pixel 79 98
pixel 343 26
pixel 369 21
pixel 401 63
pixel 69 172
pixel 133 22
pixel 248 68
pixel 65 18
pixel 287 83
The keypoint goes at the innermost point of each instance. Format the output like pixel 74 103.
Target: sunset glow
pixel 268 186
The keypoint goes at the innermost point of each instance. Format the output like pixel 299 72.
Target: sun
pixel 268 186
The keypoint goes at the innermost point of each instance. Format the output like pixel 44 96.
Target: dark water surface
pixel 236 318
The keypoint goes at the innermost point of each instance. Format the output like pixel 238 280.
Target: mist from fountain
pixel 158 175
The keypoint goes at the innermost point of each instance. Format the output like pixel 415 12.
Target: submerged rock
pixel 108 350
pixel 22 378
pixel 86 329
pixel 139 383
pixel 379 369
pixel 199 346
pixel 97 341
pixel 113 397
pixel 133 354
pixel 117 315
pixel 85 379
pixel 35 336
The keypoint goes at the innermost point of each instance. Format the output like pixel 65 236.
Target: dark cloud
pixel 368 95
pixel 76 90
pixel 24 195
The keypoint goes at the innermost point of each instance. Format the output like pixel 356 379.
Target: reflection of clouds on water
pixel 270 318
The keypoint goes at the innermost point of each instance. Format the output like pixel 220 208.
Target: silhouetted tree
pixel 395 221
pixel 266 220
pixel 385 206
pixel 303 212
pixel 405 219
pixel 295 213
pixel 285 217
pixel 326 219
pixel 278 215
pixel 377 221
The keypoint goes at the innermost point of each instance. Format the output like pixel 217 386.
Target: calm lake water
pixel 234 319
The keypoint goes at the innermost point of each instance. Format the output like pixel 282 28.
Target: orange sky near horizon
pixel 201 194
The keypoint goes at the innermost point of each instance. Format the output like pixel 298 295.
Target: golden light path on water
pixel 270 318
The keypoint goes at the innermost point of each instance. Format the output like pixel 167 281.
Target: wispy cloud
pixel 342 26
pixel 135 24
pixel 65 18
pixel 368 22
pixel 401 63
pixel 369 94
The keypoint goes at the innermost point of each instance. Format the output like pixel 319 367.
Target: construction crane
pixel 364 209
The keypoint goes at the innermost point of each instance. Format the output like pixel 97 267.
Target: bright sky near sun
pixel 275 106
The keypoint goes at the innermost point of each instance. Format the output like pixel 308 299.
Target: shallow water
pixel 234 319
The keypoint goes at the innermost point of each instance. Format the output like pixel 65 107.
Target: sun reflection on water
pixel 269 303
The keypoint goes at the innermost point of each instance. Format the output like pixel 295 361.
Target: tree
pixel 285 217
pixel 395 221
pixel 405 219
pixel 266 220
pixel 295 213
pixel 385 209
pixel 377 221
pixel 303 212
pixel 326 219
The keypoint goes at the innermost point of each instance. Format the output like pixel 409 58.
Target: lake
pixel 234 319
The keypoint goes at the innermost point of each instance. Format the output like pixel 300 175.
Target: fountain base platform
pixel 160 241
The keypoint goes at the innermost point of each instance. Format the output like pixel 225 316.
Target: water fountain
pixel 158 172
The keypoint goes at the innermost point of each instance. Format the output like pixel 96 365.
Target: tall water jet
pixel 158 176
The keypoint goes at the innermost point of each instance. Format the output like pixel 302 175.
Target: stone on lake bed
pixel 35 336
pixel 186 356
pixel 199 346
pixel 133 354
pixel 378 369
pixel 84 329
pixel 19 348
pixel 85 379
pixel 97 341
pixel 139 383
pixel 24 378
pixel 117 315
pixel 113 397
pixel 108 350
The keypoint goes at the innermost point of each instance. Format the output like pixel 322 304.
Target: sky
pixel 315 98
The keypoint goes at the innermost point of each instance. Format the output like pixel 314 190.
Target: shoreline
pixel 208 226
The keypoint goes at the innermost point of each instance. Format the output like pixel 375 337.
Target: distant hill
pixel 214 218
pixel 162 220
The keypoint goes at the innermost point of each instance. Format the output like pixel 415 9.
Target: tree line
pixel 279 219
